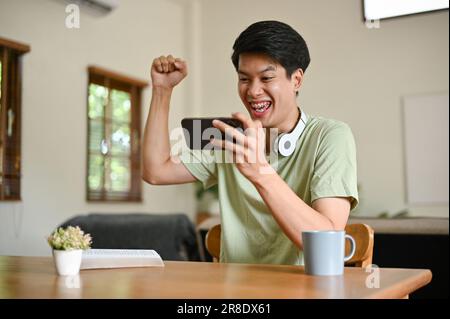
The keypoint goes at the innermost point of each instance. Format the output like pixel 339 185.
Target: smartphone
pixel 198 131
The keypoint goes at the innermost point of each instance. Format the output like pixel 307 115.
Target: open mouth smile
pixel 260 108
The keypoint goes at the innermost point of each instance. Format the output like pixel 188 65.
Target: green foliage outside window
pixel 109 139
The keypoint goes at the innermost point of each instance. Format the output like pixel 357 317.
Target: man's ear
pixel 297 79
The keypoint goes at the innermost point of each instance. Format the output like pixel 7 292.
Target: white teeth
pixel 261 105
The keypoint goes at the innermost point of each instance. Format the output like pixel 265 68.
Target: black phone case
pixel 198 131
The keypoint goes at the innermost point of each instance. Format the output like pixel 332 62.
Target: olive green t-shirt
pixel 322 165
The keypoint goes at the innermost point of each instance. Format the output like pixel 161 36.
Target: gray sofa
pixel 173 236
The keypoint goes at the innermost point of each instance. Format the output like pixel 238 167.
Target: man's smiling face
pixel 267 92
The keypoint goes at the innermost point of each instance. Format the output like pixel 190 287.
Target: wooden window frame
pixel 11 99
pixel 113 80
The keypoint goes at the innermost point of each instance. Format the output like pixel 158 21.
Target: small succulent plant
pixel 69 238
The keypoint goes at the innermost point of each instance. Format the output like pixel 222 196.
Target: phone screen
pixel 198 131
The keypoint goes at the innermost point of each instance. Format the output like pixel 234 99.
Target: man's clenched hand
pixel 167 71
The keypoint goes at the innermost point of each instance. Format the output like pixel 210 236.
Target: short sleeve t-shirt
pixel 322 165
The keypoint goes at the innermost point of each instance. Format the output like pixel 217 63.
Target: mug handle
pixel 353 244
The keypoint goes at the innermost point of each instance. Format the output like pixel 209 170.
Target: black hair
pixel 277 40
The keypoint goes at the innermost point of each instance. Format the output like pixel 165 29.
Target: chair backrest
pixel 362 233
pixel 212 241
pixel 363 236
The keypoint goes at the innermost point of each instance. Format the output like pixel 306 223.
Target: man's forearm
pixel 156 144
pixel 290 212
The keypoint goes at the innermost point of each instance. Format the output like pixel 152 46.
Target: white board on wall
pixel 426 132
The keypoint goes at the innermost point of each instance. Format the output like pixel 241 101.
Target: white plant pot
pixel 67 262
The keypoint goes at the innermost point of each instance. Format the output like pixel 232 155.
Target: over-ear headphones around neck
pixel 285 143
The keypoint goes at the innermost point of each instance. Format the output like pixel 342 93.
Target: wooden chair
pixel 363 236
pixel 362 233
pixel 212 242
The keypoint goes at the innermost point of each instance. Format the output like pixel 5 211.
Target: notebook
pixel 120 258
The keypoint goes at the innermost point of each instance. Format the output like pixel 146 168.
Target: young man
pixel 264 207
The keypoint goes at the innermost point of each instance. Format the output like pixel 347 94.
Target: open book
pixel 120 258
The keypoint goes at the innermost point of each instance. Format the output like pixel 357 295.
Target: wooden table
pixel 35 277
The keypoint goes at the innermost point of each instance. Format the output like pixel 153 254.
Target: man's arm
pixel 159 168
pixel 294 215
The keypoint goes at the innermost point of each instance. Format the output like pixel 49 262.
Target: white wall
pixel 357 75
pixel 54 107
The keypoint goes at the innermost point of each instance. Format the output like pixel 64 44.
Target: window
pixel 113 154
pixel 10 117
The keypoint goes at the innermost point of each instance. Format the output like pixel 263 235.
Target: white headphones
pixel 285 143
